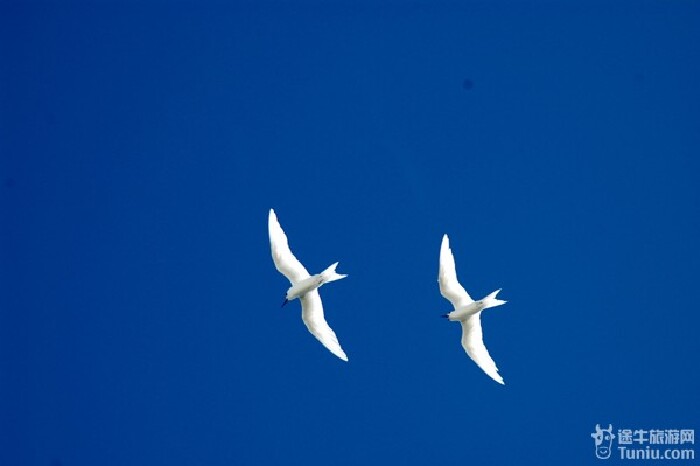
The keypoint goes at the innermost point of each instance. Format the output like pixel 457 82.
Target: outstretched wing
pixel 312 315
pixel 449 286
pixel 285 262
pixel 473 343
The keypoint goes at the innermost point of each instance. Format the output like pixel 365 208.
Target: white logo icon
pixel 603 441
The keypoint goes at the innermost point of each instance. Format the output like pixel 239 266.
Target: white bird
pixel 467 311
pixel 304 286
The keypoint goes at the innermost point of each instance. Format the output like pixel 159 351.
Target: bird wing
pixel 473 343
pixel 312 315
pixel 449 286
pixel 285 262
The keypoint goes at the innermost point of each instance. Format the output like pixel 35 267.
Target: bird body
pixel 303 286
pixel 462 312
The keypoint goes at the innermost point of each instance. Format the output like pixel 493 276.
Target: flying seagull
pixel 304 286
pixel 467 311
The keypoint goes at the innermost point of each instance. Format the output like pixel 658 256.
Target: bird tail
pixel 330 275
pixel 491 301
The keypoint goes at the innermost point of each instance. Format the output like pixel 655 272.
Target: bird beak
pixel 285 302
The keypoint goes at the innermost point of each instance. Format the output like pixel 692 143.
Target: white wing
pixel 312 315
pixel 449 286
pixel 285 262
pixel 473 343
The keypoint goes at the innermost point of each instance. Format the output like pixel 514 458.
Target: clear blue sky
pixel 143 143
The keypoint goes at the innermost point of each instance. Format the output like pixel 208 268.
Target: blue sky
pixel 142 145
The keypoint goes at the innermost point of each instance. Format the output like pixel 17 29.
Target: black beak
pixel 285 302
pixel 445 315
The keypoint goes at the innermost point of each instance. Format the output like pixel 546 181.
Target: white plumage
pixel 467 311
pixel 304 286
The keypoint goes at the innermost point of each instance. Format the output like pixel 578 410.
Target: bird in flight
pixel 304 286
pixel 467 312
